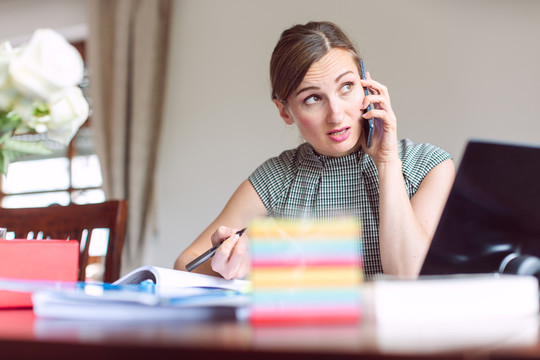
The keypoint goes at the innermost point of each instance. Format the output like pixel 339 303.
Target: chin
pixel 339 149
pixel 346 150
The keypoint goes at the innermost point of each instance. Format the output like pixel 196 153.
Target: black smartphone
pixel 368 124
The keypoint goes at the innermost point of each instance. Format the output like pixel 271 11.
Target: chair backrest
pixel 70 222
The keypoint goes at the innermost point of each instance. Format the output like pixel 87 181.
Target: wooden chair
pixel 70 222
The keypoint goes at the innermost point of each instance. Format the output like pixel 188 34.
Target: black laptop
pixel 491 221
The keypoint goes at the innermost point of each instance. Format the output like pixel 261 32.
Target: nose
pixel 335 114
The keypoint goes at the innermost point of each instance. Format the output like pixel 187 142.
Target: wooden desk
pixel 23 336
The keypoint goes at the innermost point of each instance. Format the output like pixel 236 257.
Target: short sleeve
pixel 270 178
pixel 418 159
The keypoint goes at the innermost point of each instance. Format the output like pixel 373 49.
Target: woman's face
pixel 326 105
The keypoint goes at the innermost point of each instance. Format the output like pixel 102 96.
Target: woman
pixel 397 188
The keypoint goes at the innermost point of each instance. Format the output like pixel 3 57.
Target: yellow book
pixel 318 276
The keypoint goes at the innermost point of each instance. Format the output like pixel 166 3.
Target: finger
pixel 245 268
pixel 374 87
pixel 378 101
pixel 223 253
pixel 236 260
pixel 376 113
pixel 222 233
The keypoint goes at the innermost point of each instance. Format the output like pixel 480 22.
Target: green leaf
pixel 3 163
pixel 25 147
pixel 12 149
pixel 4 137
pixel 41 109
pixel 9 121
pixel 6 157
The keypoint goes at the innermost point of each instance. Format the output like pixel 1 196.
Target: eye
pixel 312 99
pixel 347 87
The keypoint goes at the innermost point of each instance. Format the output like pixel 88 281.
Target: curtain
pixel 127 59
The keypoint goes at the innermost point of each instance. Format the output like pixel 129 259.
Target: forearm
pixel 192 252
pixel 403 240
pixel 231 259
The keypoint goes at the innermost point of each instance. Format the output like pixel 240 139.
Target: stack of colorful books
pixel 305 272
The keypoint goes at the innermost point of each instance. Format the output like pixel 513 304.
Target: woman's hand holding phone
pixel 377 106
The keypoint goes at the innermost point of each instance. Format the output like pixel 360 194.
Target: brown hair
pixel 298 48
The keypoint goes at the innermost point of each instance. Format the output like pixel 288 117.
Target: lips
pixel 339 134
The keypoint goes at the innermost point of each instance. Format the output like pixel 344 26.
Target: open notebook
pixel 146 293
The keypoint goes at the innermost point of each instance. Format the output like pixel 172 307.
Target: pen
pixel 208 254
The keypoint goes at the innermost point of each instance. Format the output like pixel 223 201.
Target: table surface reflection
pixel 25 336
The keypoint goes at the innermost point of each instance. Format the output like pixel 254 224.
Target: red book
pixel 334 316
pixel 56 260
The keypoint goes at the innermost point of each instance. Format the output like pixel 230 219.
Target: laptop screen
pixel 493 211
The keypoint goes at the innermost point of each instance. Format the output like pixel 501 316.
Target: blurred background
pixel 455 69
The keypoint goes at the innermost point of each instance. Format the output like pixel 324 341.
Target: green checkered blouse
pixel 300 183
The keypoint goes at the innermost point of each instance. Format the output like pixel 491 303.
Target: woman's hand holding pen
pixel 231 259
pixel 384 148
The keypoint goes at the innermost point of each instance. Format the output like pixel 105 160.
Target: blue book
pixel 148 292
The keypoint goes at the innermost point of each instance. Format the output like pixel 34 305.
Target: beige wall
pixel 19 18
pixel 455 70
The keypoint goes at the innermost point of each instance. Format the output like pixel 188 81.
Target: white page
pixel 168 281
pixel 54 305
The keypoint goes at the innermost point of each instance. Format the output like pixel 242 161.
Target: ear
pixel 284 112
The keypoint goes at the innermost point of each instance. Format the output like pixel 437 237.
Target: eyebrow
pixel 316 87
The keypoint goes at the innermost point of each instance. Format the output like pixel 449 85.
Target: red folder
pixel 36 260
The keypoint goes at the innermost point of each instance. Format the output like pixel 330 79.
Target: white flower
pixel 67 113
pixel 7 94
pixel 8 97
pixel 39 94
pixel 24 107
pixel 46 65
pixel 5 56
